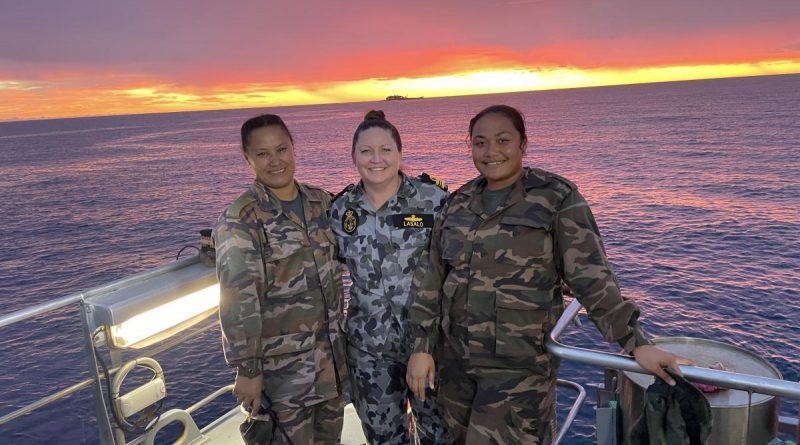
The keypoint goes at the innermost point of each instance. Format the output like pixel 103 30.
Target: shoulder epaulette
pixel 468 187
pixel 235 209
pixel 344 190
pixel 314 188
pixel 424 177
pixel 536 177
pixel 564 180
pixel 314 192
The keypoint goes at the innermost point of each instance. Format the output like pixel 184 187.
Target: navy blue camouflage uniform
pixel 382 248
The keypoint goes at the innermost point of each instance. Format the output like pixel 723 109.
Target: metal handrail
pixel 44 401
pixel 573 412
pixel 63 393
pixel 207 399
pixel 39 309
pixel 761 385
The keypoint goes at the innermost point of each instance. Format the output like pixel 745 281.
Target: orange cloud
pixel 91 60
pixel 41 99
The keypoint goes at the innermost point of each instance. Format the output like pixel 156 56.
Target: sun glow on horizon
pixel 27 100
pixel 522 79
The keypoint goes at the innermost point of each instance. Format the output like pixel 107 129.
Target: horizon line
pixel 533 90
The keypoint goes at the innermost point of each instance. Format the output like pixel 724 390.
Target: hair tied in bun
pixel 376 119
pixel 374 115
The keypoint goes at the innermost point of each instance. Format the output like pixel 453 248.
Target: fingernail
pixel 672 383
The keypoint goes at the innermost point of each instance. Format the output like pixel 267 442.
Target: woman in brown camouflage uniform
pixel 281 298
pixel 504 245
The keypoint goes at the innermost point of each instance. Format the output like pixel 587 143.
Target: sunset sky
pixel 64 58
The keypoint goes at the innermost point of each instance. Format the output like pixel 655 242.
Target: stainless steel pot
pixel 738 418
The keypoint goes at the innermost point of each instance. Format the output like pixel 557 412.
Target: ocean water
pixel 695 187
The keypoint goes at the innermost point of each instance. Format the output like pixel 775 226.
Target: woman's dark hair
pixel 264 120
pixel 376 118
pixel 511 113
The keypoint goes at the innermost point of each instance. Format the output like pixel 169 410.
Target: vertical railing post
pixel 103 421
pixel 797 433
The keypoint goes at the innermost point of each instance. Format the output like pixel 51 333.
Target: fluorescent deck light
pixel 153 305
pixel 163 318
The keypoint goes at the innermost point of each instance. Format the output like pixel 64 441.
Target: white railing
pixel 734 380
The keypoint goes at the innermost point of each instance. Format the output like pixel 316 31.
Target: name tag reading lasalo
pixel 412 220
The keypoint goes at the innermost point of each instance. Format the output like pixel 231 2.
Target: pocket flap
pixel 278 250
pixel 524 300
pixel 285 344
pixel 411 238
pixel 525 221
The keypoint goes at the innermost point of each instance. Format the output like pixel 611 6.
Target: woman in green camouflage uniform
pixel 504 245
pixel 383 227
pixel 281 297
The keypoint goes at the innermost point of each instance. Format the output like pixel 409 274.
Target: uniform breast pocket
pixel 285 262
pixel 410 243
pixel 327 243
pixel 411 238
pixel 455 245
pixel 521 318
pixel 523 242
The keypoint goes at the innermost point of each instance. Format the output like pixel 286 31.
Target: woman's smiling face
pixel 497 150
pixel 376 156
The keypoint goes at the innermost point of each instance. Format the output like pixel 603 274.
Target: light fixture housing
pixel 149 307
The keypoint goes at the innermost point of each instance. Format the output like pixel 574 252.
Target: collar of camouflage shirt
pixel 265 196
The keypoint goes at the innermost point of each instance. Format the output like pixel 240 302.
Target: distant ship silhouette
pixel 399 97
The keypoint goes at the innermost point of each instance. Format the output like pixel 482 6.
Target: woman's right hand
pixel 248 392
pixel 654 359
pixel 420 367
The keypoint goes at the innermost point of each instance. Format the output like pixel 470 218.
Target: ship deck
pixel 225 429
pixel 115 303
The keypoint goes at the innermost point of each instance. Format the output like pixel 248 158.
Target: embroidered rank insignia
pixel 433 180
pixel 349 221
pixel 413 221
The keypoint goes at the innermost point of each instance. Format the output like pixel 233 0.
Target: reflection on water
pixel 694 185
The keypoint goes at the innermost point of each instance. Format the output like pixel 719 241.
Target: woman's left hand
pixel 654 360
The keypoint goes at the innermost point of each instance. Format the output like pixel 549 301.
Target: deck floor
pixel 225 430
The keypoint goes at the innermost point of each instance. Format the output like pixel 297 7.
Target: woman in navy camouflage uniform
pixel 499 254
pixel 383 227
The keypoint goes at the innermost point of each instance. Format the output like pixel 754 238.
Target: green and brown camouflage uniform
pixel 494 287
pixel 382 248
pixel 281 307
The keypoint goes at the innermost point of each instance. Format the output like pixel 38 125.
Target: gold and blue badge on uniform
pixel 412 221
pixel 349 221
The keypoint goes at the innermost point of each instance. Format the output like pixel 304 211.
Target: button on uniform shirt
pixel 382 248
